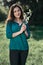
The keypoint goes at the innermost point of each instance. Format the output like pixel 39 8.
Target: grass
pixel 35 55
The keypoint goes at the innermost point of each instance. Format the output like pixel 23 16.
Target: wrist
pixel 13 35
pixel 21 31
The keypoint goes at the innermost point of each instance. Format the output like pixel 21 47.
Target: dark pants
pixel 18 57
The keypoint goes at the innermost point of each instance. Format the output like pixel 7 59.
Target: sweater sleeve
pixel 8 30
pixel 28 31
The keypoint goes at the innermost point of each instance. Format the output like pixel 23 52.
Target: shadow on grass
pixel 36 32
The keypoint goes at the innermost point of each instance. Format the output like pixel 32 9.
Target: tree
pixel 36 7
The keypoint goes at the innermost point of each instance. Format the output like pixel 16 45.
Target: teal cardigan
pixel 19 42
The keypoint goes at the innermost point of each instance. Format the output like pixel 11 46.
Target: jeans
pixel 18 57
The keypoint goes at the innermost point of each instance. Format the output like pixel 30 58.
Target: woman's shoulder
pixel 9 21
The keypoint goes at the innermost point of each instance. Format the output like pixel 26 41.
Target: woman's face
pixel 17 12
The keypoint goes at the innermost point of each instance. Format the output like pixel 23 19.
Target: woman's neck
pixel 18 20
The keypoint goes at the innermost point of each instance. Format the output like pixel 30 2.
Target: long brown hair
pixel 11 13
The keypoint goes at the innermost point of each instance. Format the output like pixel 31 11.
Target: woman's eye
pixel 14 11
pixel 18 10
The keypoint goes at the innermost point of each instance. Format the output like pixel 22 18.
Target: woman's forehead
pixel 16 8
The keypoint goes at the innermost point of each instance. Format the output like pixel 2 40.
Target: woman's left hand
pixel 26 33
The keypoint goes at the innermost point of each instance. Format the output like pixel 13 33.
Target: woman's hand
pixel 23 28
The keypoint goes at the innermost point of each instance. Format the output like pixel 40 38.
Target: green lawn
pixel 35 55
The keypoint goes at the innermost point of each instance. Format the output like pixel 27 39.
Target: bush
pixel 2 16
pixel 3 13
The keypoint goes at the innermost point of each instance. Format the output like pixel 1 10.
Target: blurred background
pixel 33 12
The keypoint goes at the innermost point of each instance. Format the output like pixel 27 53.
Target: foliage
pixel 3 13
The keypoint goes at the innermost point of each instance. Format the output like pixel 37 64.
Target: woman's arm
pixel 8 30
pixel 16 33
pixel 26 33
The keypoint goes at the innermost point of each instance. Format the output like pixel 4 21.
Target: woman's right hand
pixel 23 28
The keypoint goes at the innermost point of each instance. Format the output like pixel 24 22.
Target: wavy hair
pixel 11 13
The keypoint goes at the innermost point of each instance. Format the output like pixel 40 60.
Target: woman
pixel 17 30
